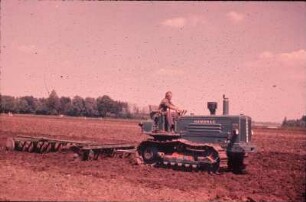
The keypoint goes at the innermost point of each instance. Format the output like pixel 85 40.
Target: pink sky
pixel 254 52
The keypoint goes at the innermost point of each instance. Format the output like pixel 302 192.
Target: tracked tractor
pixel 198 142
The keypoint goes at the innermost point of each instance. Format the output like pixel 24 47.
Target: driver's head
pixel 168 95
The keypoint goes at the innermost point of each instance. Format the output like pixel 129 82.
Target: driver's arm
pixel 170 105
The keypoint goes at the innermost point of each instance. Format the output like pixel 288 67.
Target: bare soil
pixel 276 172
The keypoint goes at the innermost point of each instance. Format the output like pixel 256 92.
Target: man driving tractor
pixel 165 106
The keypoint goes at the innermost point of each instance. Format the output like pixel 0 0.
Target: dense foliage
pixel 103 106
pixel 295 123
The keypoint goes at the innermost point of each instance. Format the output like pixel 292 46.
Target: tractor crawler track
pixel 187 161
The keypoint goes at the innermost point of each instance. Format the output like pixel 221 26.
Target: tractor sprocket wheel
pixel 235 163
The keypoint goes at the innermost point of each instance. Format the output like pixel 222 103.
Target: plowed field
pixel 275 173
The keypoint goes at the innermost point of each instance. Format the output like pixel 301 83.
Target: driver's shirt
pixel 165 104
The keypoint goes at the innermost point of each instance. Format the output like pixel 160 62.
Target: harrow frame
pixel 86 150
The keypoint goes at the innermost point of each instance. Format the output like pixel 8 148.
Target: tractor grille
pixel 204 129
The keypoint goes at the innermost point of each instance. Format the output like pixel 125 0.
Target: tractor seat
pixel 154 111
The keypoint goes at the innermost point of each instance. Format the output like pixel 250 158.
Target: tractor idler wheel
pixel 10 144
pixel 150 154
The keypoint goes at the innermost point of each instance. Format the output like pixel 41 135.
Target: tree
pixel 22 106
pixel 77 107
pixel 29 107
pixel 284 122
pixel 295 122
pixel 65 105
pixel 53 103
pixel 108 107
pixel 104 105
pixel 41 106
pixel 8 104
pixel 115 108
pixel 124 110
pixel 90 105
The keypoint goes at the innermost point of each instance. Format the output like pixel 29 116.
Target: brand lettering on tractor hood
pixel 205 121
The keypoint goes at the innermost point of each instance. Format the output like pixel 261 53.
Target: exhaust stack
pixel 225 105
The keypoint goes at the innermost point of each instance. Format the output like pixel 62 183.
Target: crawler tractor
pixel 211 142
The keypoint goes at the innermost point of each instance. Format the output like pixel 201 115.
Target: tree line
pixel 295 123
pixel 103 106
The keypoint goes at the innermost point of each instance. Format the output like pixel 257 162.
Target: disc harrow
pixel 93 152
pixel 86 150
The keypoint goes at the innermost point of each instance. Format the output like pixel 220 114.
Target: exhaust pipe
pixel 225 105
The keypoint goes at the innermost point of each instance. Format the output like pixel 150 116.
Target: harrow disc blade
pixel 57 146
pixel 31 147
pixel 49 148
pixel 39 146
pixel 10 144
pixel 19 145
pixel 91 155
pixel 26 146
pixel 96 155
pixel 44 147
